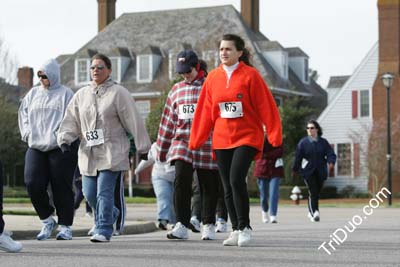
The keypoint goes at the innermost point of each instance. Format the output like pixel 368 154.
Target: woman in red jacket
pixel 235 103
pixel 269 171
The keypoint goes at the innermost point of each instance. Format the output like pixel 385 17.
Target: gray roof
pixel 61 59
pixel 296 52
pixel 337 81
pixel 167 32
pixel 270 46
pixel 151 50
pixel 119 51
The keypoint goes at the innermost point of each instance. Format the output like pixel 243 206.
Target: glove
pixel 143 156
pixel 331 171
pixel 65 148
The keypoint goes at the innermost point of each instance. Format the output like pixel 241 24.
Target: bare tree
pixel 373 148
pixel 9 63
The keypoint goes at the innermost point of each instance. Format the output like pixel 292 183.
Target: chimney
pixel 25 77
pixel 389 61
pixel 389 58
pixel 251 13
pixel 106 13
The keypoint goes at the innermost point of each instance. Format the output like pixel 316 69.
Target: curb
pixel 130 229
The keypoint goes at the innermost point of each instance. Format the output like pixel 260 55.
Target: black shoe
pixel 162 224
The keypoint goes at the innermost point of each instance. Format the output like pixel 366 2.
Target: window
pixel 143 108
pixel 82 74
pixel 171 66
pixel 115 69
pixel 364 103
pixel 306 70
pixel 144 68
pixel 344 159
pixel 285 65
pixel 211 57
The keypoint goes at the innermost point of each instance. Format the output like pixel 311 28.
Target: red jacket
pixel 259 107
pixel 267 166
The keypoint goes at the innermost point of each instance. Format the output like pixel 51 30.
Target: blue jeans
pixel 99 192
pixel 269 188
pixel 164 191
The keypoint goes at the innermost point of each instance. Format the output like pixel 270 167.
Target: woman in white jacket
pixel 39 117
pixel 102 114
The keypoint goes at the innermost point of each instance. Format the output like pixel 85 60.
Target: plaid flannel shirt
pixel 174 133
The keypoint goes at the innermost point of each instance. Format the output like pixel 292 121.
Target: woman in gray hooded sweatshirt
pixel 39 117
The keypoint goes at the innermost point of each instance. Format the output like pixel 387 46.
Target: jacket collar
pixel 101 88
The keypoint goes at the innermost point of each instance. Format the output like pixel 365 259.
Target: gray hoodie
pixel 42 110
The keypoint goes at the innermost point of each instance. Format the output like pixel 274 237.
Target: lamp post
pixel 387 79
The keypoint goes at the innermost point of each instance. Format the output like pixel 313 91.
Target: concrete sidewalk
pixel 27 227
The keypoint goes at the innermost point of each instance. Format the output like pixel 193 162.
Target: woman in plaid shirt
pixel 173 141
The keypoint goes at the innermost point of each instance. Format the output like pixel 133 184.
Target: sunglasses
pixel 99 67
pixel 310 128
pixel 43 76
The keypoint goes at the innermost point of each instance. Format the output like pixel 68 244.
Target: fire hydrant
pixel 296 195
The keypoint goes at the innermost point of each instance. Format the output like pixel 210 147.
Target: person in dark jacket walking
pixel 313 155
pixel 269 171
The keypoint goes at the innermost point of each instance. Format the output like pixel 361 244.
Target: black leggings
pixel 221 211
pixel 233 166
pixel 56 168
pixel 208 183
pixel 314 184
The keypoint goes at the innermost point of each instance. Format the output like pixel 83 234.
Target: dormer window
pixel 306 70
pixel 82 66
pixel 298 62
pixel 211 57
pixel 82 71
pixel 143 69
pixel 120 60
pixel 148 62
pixel 276 56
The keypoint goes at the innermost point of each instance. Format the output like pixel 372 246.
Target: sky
pixel 335 34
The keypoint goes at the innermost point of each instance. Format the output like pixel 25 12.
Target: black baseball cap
pixel 185 61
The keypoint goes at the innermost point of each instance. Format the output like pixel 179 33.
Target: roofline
pixel 349 80
pixel 146 94
pixel 287 91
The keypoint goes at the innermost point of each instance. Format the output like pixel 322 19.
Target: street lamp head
pixel 387 79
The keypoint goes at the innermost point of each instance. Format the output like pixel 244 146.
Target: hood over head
pixel 52 70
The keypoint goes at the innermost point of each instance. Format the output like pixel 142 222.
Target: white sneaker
pixel 65 233
pixel 232 240
pixel 178 232
pixel 316 216
pixel 8 244
pixel 97 238
pixel 265 217
pixel 208 232
pixel 92 231
pixel 194 224
pixel 273 219
pixel 49 225
pixel 244 237
pixel 310 217
pixel 222 226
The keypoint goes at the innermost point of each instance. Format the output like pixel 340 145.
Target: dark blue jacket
pixel 311 156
